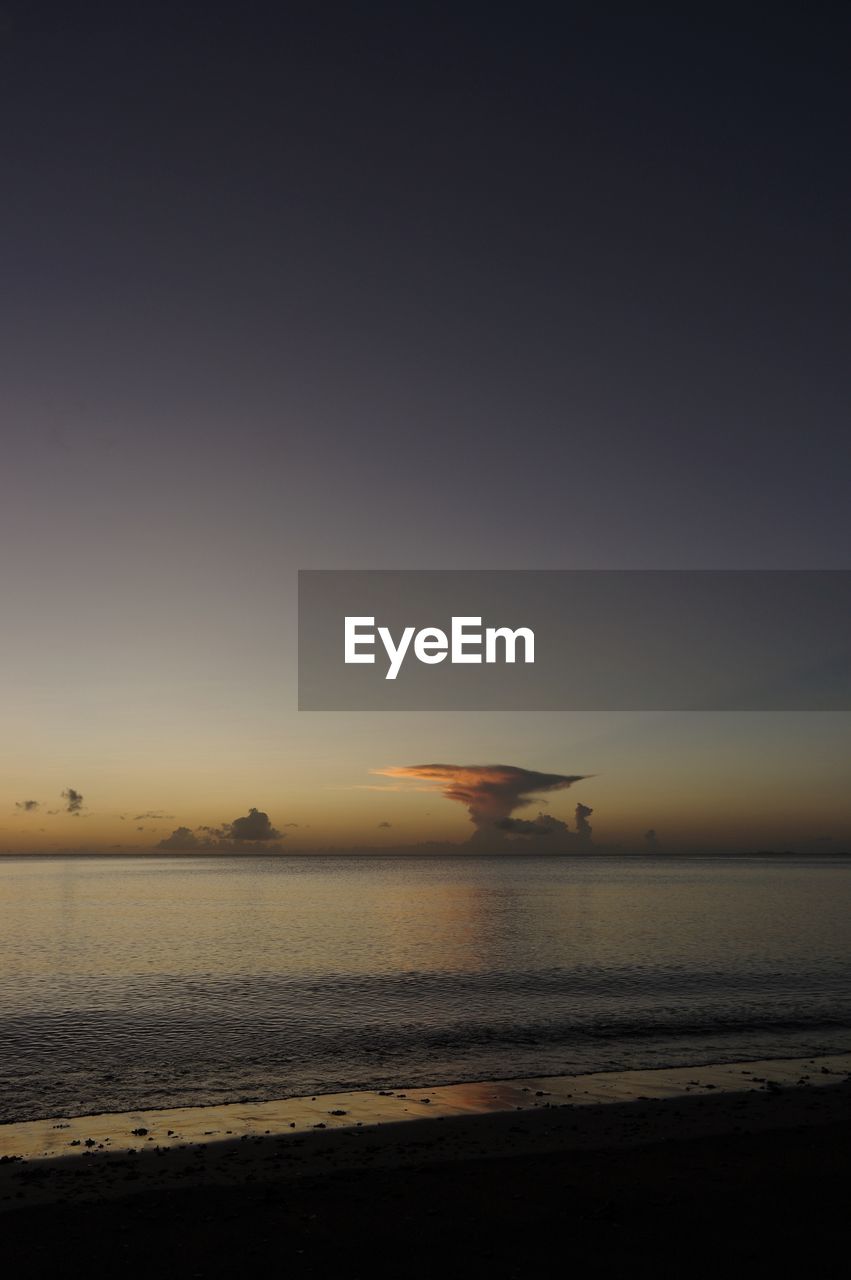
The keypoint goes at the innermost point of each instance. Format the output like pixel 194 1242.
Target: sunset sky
pixel 331 289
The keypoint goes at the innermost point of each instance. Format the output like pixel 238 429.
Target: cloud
pixel 254 826
pixel 492 793
pixel 251 831
pixel 75 800
pixel 181 840
pixel 544 825
pixel 28 806
pixel 385 824
pixel 372 786
pixel 583 827
pixel 151 814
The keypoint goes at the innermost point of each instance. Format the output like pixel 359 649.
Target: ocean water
pixel 149 982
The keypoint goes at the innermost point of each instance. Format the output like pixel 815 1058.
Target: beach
pixel 417 1068
pixel 689 1176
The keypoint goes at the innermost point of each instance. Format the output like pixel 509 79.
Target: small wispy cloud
pixel 74 800
pixel 375 786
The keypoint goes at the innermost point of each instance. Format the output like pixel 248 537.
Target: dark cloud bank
pixel 254 831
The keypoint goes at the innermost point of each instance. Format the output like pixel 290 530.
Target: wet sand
pixel 740 1167
pixel 176 1127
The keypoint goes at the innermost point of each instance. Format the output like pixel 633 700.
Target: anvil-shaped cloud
pixel 491 792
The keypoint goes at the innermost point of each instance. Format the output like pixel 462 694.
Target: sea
pixel 146 982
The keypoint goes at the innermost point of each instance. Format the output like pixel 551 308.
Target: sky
pixel 403 286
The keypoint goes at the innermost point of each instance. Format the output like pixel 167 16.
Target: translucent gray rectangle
pixel 604 640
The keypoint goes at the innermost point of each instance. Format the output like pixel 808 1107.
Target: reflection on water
pixel 154 982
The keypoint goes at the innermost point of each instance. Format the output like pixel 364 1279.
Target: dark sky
pixel 560 286
pixel 408 285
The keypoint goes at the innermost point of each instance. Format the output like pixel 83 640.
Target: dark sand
pixel 716 1184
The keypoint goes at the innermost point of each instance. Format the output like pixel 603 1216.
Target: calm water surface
pixel 146 982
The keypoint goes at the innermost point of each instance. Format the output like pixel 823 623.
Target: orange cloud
pixel 491 792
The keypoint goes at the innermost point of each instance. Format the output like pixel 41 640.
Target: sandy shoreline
pixel 742 1168
pixel 165 1128
pixel 44 1160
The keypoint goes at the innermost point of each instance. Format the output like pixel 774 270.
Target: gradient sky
pixel 403 286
